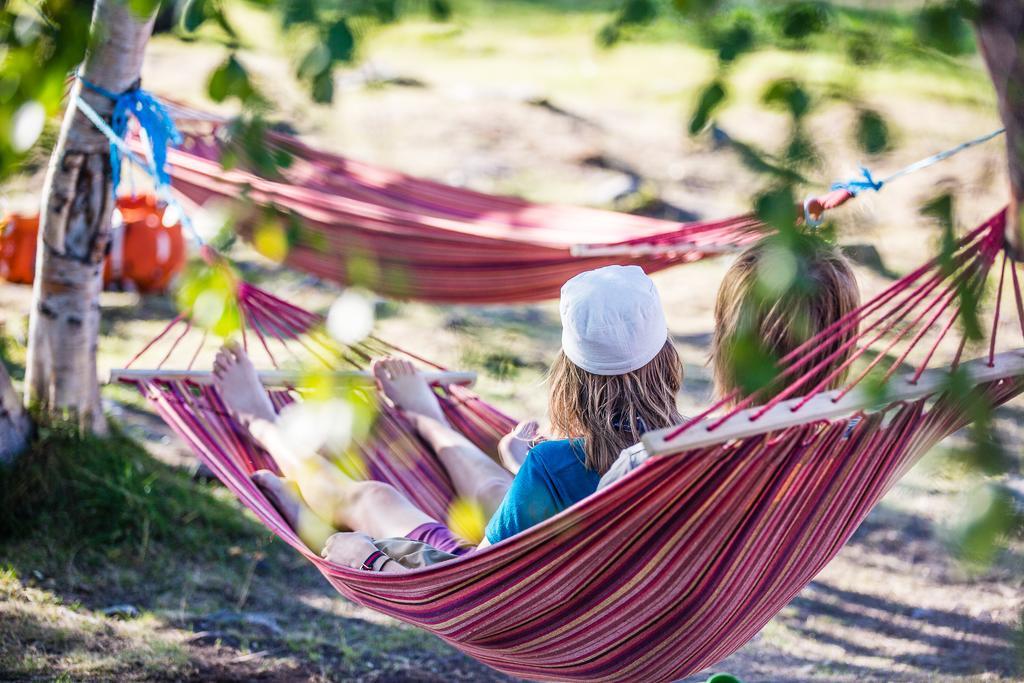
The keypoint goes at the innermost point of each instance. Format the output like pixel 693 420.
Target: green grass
pixel 102 500
pixel 85 519
pixel 87 523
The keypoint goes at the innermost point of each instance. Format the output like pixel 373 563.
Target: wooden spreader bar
pixel 277 378
pixel 823 407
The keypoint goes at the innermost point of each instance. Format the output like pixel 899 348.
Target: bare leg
pixel 474 474
pixel 285 496
pixel 372 507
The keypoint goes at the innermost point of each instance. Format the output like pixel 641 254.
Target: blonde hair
pixel 611 412
pixel 757 323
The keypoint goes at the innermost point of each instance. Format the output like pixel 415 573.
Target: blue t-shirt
pixel 552 478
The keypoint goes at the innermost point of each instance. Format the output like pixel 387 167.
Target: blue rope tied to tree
pixel 857 185
pixel 153 119
pixel 163 189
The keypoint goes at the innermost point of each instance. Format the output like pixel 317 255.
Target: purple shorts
pixel 439 536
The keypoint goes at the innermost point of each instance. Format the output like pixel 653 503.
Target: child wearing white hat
pixel 616 376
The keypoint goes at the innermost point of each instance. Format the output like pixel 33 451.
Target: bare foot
pixel 240 386
pixel 285 497
pixel 514 446
pixel 407 388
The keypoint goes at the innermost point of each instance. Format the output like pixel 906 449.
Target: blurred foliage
pixel 208 293
pixel 43 41
pixel 467 520
pixel 40 44
pixel 327 34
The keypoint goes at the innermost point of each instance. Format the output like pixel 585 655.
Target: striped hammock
pixel 676 566
pixel 410 238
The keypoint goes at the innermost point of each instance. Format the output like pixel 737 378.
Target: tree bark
pixel 74 233
pixel 1000 29
pixel 14 423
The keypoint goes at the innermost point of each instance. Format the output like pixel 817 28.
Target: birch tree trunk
pixel 60 379
pixel 1000 29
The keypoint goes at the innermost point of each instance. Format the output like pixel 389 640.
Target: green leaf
pixel 872 131
pixel 193 14
pixel 143 8
pixel 609 35
pixel 789 95
pixel 637 12
pixel 990 518
pixel 753 366
pixel 940 209
pixel 737 39
pixel 230 79
pixel 295 12
pixel 208 294
pixel 801 151
pixel 760 162
pixel 340 41
pixel 862 47
pixel 777 208
pixel 710 99
pixel 315 62
pixel 943 27
pixel 222 21
pixel 385 11
pixel 440 10
pixel 323 87
pixel 695 7
pixel 797 21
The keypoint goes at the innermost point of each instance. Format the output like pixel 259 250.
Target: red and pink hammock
pixel 676 566
pixel 423 240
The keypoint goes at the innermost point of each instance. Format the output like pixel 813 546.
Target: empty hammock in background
pixel 145 254
pixel 680 563
pixel 410 238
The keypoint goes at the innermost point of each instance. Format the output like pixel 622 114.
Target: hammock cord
pixel 968 269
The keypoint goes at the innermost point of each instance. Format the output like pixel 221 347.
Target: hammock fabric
pixel 679 564
pixel 410 238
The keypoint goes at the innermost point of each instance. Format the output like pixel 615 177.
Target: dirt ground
pixel 895 605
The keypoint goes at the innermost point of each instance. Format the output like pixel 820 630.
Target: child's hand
pixel 514 446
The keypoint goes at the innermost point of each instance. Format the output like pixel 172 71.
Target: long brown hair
pixel 611 412
pixel 757 324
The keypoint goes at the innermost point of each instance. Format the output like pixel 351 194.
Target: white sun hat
pixel 612 320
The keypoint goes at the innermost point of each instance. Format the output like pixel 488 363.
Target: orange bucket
pixel 144 253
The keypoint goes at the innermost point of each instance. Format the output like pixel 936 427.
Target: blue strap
pixel 152 118
pixel 868 182
pixel 857 185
